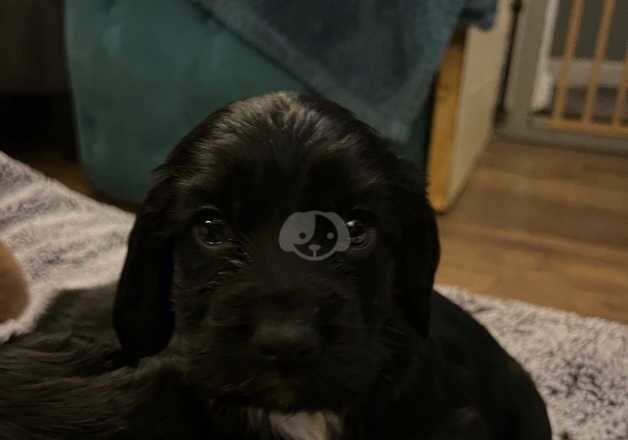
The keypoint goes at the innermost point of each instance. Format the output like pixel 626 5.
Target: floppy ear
pixel 142 313
pixel 418 249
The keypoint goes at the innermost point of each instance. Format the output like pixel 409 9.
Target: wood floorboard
pixel 542 225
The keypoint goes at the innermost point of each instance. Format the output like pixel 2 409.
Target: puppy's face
pixel 274 327
pixel 282 267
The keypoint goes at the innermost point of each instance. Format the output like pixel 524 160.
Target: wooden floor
pixel 542 225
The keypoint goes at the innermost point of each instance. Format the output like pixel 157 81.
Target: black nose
pixel 288 340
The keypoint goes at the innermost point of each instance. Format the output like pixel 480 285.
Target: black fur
pixel 390 357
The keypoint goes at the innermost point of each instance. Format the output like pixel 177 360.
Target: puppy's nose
pixel 289 340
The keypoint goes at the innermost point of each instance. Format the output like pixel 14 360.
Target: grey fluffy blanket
pixel 65 240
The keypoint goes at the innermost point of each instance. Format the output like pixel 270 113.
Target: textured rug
pixel 65 240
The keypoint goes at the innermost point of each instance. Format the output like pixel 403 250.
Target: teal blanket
pixel 376 57
pixel 144 72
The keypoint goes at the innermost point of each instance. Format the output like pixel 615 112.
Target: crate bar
pixel 598 59
pixel 621 94
pixel 570 46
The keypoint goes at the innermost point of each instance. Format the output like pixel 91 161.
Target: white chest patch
pixel 304 425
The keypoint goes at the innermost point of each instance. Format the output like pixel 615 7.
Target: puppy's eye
pixel 362 234
pixel 212 229
pixel 358 232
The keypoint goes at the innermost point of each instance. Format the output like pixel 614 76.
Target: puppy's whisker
pixel 235 386
pixel 343 326
pixel 226 324
pixel 224 356
pixel 246 381
pixel 184 288
pixel 235 263
pixel 394 330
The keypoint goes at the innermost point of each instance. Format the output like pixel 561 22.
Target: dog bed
pixel 67 241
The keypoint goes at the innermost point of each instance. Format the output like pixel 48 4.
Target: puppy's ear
pixel 418 250
pixel 142 313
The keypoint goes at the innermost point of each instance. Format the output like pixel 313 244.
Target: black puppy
pixel 237 319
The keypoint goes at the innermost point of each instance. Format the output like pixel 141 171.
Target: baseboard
pixel 610 74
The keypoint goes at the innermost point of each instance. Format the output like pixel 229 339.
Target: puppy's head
pixel 280 243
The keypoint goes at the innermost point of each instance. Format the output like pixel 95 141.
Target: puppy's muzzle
pixel 285 340
pixel 286 326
